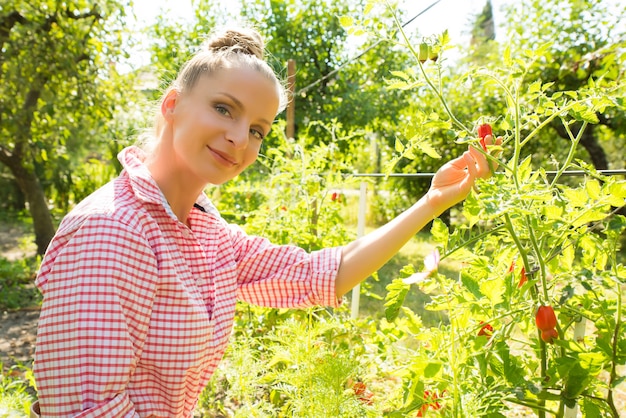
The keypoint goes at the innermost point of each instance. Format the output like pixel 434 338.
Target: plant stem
pixel 415 55
pixel 471 241
pixel 540 408
pixel 544 369
pixel 570 155
pixel 509 226
pixel 540 261
pixel 550 119
pixel 616 333
pixel 543 353
pixel 517 134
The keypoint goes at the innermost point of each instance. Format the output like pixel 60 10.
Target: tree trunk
pixel 595 150
pixel 37 206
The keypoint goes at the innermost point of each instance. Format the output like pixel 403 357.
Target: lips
pixel 223 157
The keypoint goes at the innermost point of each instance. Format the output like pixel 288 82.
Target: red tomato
pixel 363 393
pixel 522 279
pixel 359 388
pixel 483 131
pixel 486 330
pixel 545 318
pixel 430 401
pixel 512 268
pixel 549 335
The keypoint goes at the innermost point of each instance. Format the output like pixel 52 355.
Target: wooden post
pixel 291 106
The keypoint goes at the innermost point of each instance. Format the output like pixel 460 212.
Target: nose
pixel 238 135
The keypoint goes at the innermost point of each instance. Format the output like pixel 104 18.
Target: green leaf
pixel 397 291
pixel 427 149
pixel 524 170
pixel 576 197
pixel 588 217
pixel 471 209
pixel 506 57
pixel 534 87
pixel 399 85
pixel 590 408
pixel 415 323
pixel 432 369
pixel 471 284
pixel 399 146
pixel 401 74
pixel 440 232
pixel 616 225
pixel 593 188
pixel 493 289
pixel 566 259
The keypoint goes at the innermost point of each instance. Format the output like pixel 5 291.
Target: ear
pixel 168 104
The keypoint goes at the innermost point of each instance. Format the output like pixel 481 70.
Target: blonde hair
pixel 225 48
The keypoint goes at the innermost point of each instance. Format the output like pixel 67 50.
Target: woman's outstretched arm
pixel 450 185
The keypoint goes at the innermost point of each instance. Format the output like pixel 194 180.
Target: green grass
pixel 17 288
pixel 412 253
pixel 16 391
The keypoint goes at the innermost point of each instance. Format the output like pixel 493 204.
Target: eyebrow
pixel 240 105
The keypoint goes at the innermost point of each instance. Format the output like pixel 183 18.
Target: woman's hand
pixel 454 180
pixel 451 184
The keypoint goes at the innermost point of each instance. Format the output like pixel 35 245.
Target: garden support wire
pixel 356 291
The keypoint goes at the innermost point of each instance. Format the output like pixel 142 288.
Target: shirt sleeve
pixel 97 288
pixel 284 276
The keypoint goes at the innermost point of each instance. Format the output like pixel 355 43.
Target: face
pixel 218 126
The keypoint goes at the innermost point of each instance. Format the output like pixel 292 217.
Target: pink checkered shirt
pixel 138 307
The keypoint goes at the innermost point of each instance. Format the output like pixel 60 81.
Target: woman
pixel 141 279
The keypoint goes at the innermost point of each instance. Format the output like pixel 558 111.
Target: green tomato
pixel 424 52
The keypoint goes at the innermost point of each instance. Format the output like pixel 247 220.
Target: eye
pixel 257 134
pixel 223 110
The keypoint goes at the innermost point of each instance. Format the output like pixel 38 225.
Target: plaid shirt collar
pixel 145 187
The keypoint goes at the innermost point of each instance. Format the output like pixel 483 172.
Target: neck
pixel 179 191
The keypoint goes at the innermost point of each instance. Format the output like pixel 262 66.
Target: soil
pixel 18 329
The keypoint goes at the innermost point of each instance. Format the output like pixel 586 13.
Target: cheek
pixel 205 117
pixel 194 118
pixel 252 152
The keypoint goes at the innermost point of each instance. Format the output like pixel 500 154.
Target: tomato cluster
pixel 427 51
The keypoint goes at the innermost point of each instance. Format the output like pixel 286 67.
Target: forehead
pixel 250 87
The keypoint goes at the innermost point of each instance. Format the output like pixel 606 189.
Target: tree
pixel 339 77
pixel 587 42
pixel 55 93
pixel 484 27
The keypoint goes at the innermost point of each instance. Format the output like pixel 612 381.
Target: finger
pixel 481 163
pixel 498 153
pixel 470 162
pixel 458 162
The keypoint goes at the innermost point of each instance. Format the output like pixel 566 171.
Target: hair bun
pixel 243 40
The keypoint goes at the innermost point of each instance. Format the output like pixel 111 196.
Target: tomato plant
pixel 564 234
